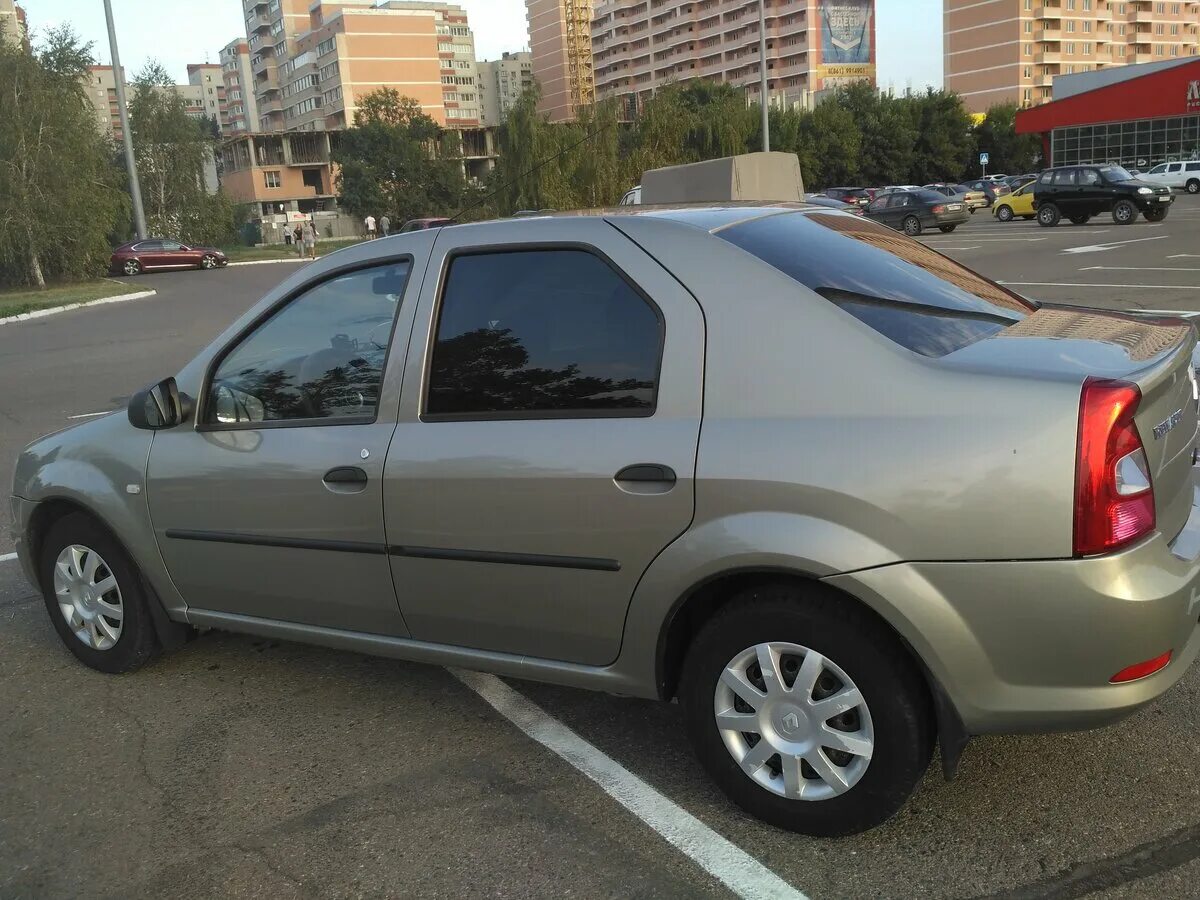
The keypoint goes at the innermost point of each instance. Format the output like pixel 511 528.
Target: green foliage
pixel 944 142
pixel 396 161
pixel 58 189
pixel 1009 152
pixel 173 151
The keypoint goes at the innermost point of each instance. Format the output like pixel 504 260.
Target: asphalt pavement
pixel 244 767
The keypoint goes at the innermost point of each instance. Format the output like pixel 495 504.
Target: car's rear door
pixel 547 440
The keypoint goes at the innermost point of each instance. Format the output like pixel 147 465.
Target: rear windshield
pixel 931 196
pixel 912 295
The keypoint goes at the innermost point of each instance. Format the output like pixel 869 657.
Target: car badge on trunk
pixel 1168 423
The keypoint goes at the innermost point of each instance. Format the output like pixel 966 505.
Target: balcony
pixel 1046 79
pixel 1144 15
pixel 1047 57
pixel 258 23
pixel 1048 34
pixel 1047 12
pixel 1141 57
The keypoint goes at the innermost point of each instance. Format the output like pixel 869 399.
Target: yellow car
pixel 1018 203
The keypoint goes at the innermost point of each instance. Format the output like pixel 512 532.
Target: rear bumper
pixel 1030 646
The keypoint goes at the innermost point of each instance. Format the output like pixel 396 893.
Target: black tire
pixel 912 226
pixel 1156 215
pixel 946 229
pixel 1124 212
pixel 208 261
pixel 889 681
pixel 1004 212
pixel 137 642
pixel 1048 215
pixel 131 267
pixel 972 210
pixel 1193 186
pixel 1080 220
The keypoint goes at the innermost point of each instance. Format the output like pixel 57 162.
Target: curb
pixel 52 310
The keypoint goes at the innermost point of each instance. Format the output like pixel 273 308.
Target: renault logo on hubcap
pixel 791 722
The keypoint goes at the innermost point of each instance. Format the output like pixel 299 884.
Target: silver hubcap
pixel 89 597
pixel 794 721
pixel 912 226
pixel 1123 213
pixel 131 268
pixel 208 262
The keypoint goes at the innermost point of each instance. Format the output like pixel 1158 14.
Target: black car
pixel 914 211
pixel 1080 192
pixel 992 189
pixel 849 195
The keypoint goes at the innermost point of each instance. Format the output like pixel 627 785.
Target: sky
pixel 178 32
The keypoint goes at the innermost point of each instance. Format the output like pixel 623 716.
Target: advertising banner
pixel 847 29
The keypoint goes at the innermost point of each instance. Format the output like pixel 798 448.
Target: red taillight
pixel 938 210
pixel 1114 499
pixel 1142 669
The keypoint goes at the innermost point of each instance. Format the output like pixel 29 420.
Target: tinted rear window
pixel 916 297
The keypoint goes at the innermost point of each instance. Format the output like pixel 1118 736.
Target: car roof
pixel 706 216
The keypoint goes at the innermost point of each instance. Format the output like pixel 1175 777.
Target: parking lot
pixel 247 767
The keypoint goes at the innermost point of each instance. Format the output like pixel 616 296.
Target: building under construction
pixel 560 36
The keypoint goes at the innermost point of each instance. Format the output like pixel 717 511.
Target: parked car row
pixel 1076 193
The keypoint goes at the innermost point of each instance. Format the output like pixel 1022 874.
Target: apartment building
pixel 239 87
pixel 501 84
pixel 560 41
pixel 101 88
pixel 271 29
pixel 640 45
pixel 1011 50
pixel 210 79
pixel 12 24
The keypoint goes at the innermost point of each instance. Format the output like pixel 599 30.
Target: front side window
pixel 902 289
pixel 171 246
pixel 1158 170
pixel 148 246
pixel 1087 177
pixel 320 357
pixel 553 333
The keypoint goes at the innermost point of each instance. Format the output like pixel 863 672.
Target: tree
pixel 59 195
pixel 396 161
pixel 887 133
pixel 1008 151
pixel 830 146
pixel 173 152
pixel 944 141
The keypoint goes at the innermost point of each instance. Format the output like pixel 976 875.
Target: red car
pixel 136 257
pixel 424 224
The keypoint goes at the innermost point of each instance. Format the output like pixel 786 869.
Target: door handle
pixel 646 473
pixel 345 476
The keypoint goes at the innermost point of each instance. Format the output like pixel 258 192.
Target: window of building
pixel 1160 8
pixel 321 357
pixel 1070 48
pixel 1070 4
pixel 1029 49
pixel 1121 50
pixel 543 334
pixel 1087 25
pixel 1028 26
pixel 1159 50
pixel 326 46
pixel 1121 30
pixel 1029 4
pixel 1071 26
pixel 1028 98
pixel 1087 4
pixel 1160 28
pixel 1029 71
pixel 1087 49
pixel 271 179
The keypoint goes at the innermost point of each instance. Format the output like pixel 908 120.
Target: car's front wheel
pixel 208 261
pixel 1004 213
pixel 946 229
pixel 1124 212
pixel 1048 215
pixel 94 596
pixel 912 226
pixel 806 710
pixel 1080 220
pixel 131 267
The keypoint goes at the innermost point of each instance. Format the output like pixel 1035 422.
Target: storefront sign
pixel 1193 96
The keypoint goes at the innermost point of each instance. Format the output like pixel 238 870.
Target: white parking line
pixel 1182 255
pixel 1102 248
pixel 1084 284
pixel 90 415
pixel 8 557
pixel 940 247
pixel 744 875
pixel 1137 269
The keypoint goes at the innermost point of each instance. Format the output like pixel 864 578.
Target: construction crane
pixel 581 71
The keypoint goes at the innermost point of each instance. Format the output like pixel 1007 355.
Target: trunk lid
pixel 1155 353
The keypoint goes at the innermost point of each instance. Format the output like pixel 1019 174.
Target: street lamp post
pixel 762 65
pixel 135 189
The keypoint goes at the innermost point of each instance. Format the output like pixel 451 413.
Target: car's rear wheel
pixel 1156 215
pixel 912 226
pixel 806 710
pixel 1124 212
pixel 1080 220
pixel 1004 213
pixel 946 229
pixel 131 267
pixel 94 595
pixel 1193 186
pixel 1048 215
pixel 208 261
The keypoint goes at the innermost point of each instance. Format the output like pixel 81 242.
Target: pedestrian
pixel 298 240
pixel 385 225
pixel 369 221
pixel 310 239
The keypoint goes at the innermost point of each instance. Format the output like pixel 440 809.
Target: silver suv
pixel 838 494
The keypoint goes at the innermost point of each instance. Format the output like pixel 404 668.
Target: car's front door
pixel 547 442
pixel 173 255
pixel 272 505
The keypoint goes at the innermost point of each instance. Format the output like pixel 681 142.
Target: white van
pixel 1183 175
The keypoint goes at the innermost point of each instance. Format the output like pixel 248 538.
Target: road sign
pixel 983 159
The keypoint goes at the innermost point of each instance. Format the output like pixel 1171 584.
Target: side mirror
pixel 158 406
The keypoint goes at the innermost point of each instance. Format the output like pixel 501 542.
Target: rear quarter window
pixel 912 295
